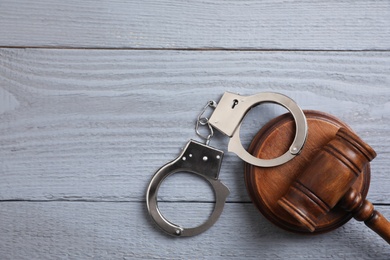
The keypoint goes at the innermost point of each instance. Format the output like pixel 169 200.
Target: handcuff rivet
pixel 205 158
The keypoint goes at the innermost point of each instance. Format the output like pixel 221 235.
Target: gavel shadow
pixel 347 242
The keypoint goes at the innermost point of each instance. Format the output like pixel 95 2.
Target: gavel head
pixel 327 178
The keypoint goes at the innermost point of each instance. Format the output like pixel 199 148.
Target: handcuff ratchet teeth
pixel 205 161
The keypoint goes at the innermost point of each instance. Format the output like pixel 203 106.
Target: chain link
pixel 204 121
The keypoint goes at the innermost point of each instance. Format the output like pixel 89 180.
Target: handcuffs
pixel 205 161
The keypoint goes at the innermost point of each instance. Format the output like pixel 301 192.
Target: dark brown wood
pixel 267 185
pixel 327 178
pixel 363 210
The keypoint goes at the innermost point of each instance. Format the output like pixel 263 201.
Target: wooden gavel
pixel 327 181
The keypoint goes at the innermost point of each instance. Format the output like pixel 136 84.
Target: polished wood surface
pixel 326 181
pixel 267 185
pixel 327 178
pixel 321 184
pixel 363 210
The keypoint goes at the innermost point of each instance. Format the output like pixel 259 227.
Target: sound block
pixel 267 185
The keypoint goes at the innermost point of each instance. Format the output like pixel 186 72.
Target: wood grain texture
pixel 71 230
pixel 273 189
pixel 102 97
pixel 83 131
pixel 95 125
pixel 330 25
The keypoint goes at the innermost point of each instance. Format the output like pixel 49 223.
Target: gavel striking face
pixel 327 181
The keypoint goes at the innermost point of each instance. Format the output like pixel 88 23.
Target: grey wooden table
pixel 95 96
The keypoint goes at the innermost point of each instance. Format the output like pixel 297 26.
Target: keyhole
pixel 235 102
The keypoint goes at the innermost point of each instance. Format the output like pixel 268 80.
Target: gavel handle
pixel 363 210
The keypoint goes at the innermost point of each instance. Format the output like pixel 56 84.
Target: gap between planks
pixel 134 201
pixel 191 49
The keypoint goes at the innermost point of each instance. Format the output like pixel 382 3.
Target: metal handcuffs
pixel 205 161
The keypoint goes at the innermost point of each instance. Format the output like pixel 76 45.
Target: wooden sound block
pixel 267 185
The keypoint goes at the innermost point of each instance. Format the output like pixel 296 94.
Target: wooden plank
pixel 64 230
pixel 95 125
pixel 330 25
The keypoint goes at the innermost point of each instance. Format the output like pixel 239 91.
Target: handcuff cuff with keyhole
pixel 205 161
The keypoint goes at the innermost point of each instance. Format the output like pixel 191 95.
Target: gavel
pixel 327 182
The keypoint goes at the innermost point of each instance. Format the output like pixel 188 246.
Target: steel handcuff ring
pixel 231 110
pixel 196 158
pixel 206 161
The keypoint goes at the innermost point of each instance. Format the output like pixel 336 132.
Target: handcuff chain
pixel 204 121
